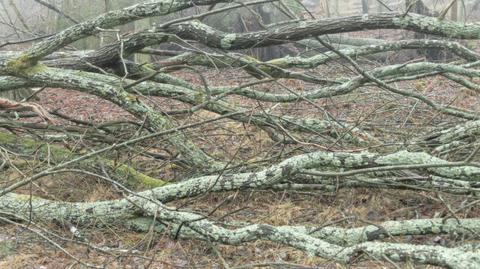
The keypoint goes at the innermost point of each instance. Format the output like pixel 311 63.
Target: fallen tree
pixel 324 152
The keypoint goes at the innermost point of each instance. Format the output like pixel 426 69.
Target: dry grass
pixel 387 116
pixel 356 207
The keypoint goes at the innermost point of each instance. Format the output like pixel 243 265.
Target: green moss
pixel 436 230
pixel 134 176
pixel 199 98
pixel 7 138
pixel 43 149
pixel 19 63
pixel 227 41
pixel 148 67
pixel 58 154
pixel 280 62
pixel 25 66
pixel 35 69
pixel 471 44
pixel 25 197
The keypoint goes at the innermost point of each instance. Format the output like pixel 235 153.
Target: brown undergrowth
pixel 394 119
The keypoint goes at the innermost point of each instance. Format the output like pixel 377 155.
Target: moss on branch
pixel 58 154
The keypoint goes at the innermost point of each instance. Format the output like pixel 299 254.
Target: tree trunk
pixel 365 6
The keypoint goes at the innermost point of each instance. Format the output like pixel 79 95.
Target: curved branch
pixel 414 22
pixel 107 20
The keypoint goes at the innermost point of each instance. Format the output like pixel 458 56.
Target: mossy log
pixel 57 154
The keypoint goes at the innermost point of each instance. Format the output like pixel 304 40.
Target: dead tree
pixel 334 152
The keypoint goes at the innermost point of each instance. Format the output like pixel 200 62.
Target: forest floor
pixel 384 115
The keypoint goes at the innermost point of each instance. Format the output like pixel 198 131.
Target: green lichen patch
pixel 24 66
pixel 227 41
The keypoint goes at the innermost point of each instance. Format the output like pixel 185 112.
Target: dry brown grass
pixel 387 114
